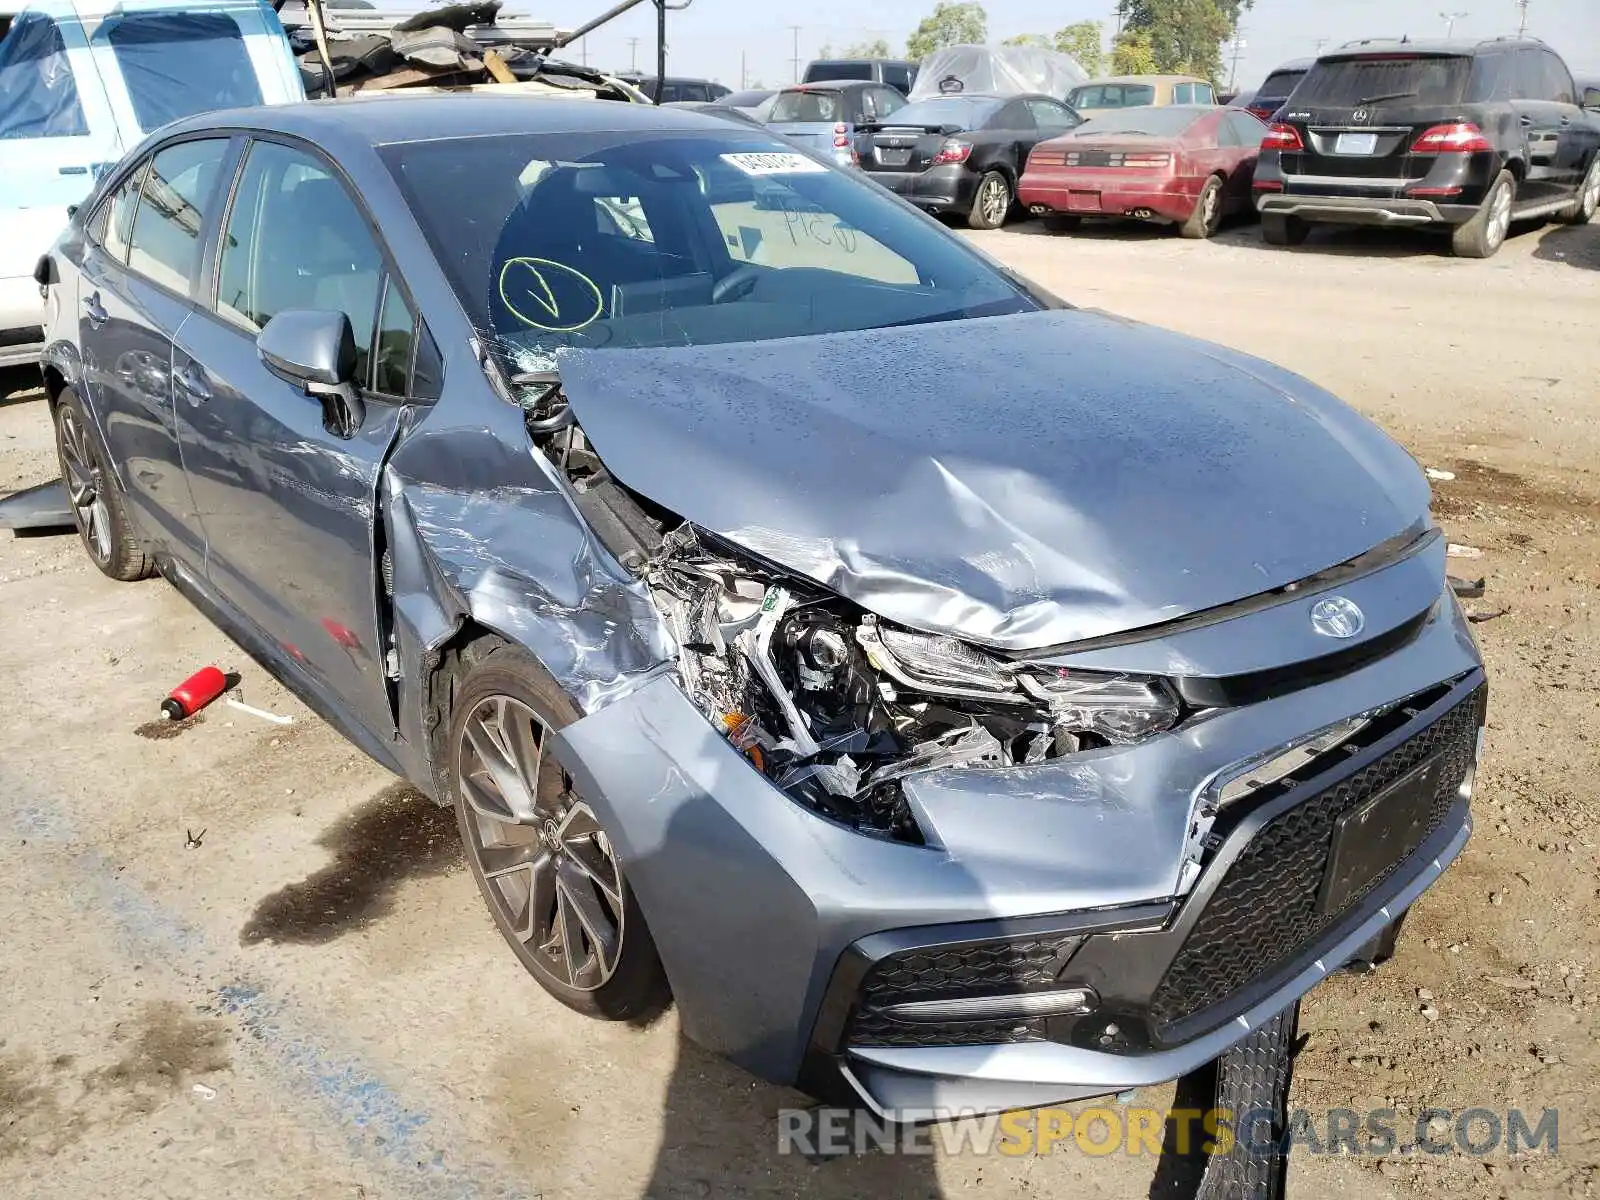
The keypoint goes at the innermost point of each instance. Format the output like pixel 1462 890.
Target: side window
pixel 395 344
pixel 899 78
pixel 1014 117
pixel 869 104
pixel 1527 75
pixel 1052 118
pixel 175 200
pixel 1247 129
pixel 1558 80
pixel 1490 79
pixel 38 95
pixel 296 239
pixel 176 64
pixel 889 101
pixel 1202 93
pixel 115 218
pixel 1228 133
pixel 1183 93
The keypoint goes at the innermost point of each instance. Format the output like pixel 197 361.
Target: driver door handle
pixel 193 381
pixel 95 311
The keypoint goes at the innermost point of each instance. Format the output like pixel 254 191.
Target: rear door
pixel 1006 139
pixel 288 507
pixel 1539 117
pixel 140 267
pixel 1359 115
pixel 1574 133
pixel 1240 137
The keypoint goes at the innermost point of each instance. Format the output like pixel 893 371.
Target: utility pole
pixel 1522 30
pixel 633 54
pixel 1450 19
pixel 744 75
pixel 795 29
pixel 1238 53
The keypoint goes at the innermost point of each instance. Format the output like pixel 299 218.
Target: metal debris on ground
pixel 192 840
pixel 1468 589
pixel 1478 618
pixel 235 702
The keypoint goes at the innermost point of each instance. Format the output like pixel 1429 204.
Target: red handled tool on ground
pixel 194 693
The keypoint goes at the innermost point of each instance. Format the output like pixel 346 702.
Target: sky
pixel 719 39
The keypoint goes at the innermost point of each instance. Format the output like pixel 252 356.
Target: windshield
pixel 1111 95
pixel 656 239
pixel 1352 82
pixel 810 106
pixel 834 69
pixel 1156 122
pixel 949 110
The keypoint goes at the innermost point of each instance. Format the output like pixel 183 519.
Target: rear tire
pixel 98 510
pixel 1588 198
pixel 1280 230
pixel 1062 223
pixel 545 866
pixel 992 203
pixel 1207 215
pixel 1483 236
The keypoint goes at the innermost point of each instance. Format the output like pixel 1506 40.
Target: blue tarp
pixel 38 96
pixel 176 64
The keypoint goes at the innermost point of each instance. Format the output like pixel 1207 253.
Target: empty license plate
pixel 894 158
pixel 1356 143
pixel 1083 202
pixel 1369 840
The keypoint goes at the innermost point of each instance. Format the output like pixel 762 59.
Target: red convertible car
pixel 1185 165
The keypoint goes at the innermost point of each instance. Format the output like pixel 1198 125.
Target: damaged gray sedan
pixel 950 697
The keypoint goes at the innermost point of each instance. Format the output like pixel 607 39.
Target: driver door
pixel 288 507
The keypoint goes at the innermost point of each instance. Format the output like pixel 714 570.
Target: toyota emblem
pixel 1337 617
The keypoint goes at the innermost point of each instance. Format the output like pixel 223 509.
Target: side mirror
pixel 1591 97
pixel 316 351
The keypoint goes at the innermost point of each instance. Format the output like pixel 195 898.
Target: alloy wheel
pixel 85 486
pixel 1591 190
pixel 547 865
pixel 1499 216
pixel 1209 200
pixel 994 200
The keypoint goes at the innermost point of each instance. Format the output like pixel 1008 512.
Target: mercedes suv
pixel 1468 136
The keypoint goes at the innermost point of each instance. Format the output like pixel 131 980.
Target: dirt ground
pixel 244 961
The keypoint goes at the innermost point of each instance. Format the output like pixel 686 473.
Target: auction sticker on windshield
pixel 774 164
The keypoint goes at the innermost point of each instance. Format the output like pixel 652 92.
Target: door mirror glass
pixel 312 348
pixel 1591 97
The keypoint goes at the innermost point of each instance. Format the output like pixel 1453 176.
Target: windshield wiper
pixel 1385 96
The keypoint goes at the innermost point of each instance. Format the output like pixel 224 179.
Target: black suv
pixel 1468 135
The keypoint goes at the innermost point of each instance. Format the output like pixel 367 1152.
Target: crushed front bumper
pixel 772 920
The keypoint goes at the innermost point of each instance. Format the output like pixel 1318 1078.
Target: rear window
pixel 179 64
pixel 1155 122
pixel 806 106
pixel 1352 82
pixel 950 110
pixel 1111 95
pixel 38 96
pixel 1280 85
pixel 829 69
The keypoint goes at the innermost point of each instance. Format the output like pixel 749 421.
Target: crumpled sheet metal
pixel 1022 482
pixel 44 506
pixel 506 547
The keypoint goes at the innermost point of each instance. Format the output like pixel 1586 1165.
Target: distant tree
pixel 951 24
pixel 877 48
pixel 1083 42
pixel 1029 39
pixel 1131 54
pixel 826 50
pixel 1185 35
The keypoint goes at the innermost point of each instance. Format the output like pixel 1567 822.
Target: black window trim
pixel 371 386
pixel 140 168
pixel 206 301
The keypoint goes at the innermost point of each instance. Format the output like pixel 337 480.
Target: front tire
pixel 992 204
pixel 1207 215
pixel 1280 230
pixel 1483 236
pixel 1588 198
pixel 545 865
pixel 97 507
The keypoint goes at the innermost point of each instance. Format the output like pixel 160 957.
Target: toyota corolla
pixel 948 696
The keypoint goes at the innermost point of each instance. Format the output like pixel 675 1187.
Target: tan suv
pixel 1136 91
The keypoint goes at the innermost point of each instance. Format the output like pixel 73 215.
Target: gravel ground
pixel 244 960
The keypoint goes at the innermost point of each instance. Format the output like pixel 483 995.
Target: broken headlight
pixel 1119 708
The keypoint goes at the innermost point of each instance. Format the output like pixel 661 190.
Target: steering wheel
pixel 736 284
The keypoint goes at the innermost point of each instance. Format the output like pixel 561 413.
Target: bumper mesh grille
pixel 1265 909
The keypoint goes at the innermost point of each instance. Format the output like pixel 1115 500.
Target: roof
pixel 388 119
pixel 893 62
pixel 1141 79
pixel 1445 47
pixel 833 85
pixel 1294 64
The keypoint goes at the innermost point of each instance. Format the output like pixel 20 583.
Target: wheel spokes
pixel 505 785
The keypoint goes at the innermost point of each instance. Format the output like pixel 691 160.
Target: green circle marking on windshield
pixel 550 296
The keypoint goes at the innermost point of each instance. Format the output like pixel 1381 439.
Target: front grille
pixel 1265 910
pixel 958 970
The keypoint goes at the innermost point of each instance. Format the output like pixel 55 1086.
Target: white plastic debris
pixel 1439 476
pixel 204 1092
pixel 1458 551
pixel 233 702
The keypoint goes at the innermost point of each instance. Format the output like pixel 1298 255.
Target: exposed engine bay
pixel 831 703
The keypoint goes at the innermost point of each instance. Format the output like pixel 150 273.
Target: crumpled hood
pixel 1022 481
